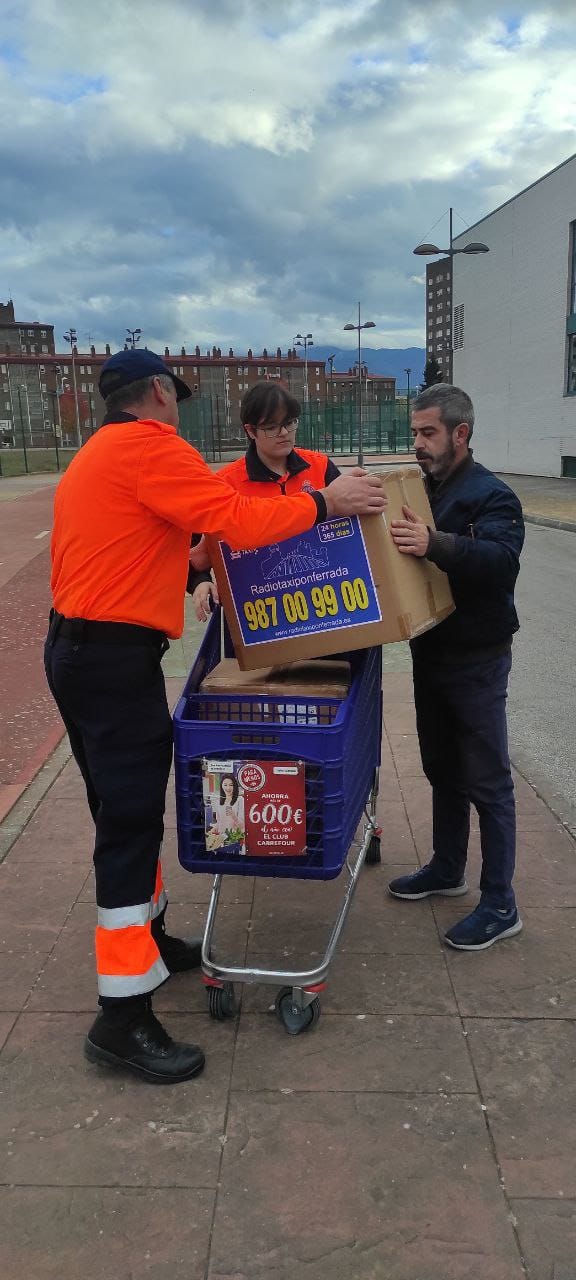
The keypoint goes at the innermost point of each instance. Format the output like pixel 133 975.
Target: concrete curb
pixel 19 814
pixel 550 522
pixel 554 801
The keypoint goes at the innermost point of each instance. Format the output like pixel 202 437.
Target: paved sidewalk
pixel 425 1130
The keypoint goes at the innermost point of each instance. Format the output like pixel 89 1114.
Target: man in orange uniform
pixel 270 467
pixel 123 515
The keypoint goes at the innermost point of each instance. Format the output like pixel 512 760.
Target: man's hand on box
pixel 201 596
pixel 355 494
pixel 411 535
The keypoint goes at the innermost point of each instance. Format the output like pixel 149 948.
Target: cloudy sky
pixel 234 171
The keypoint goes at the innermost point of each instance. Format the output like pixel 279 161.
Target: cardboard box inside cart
pixel 342 585
pixel 288 694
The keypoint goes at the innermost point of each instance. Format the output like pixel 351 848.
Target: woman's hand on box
pixel 199 558
pixel 202 595
pixel 411 535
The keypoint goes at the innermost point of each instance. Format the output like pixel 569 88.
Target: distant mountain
pixel 392 361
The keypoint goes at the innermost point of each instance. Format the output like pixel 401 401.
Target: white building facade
pixel 514 329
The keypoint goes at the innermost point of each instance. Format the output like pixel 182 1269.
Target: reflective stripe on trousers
pixel 127 958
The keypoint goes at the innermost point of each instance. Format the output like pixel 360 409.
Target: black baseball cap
pixel 132 365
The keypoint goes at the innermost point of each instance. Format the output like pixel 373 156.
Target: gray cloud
pixel 229 172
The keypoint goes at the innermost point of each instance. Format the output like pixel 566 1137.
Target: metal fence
pixel 328 425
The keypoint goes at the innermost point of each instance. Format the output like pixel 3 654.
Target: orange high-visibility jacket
pixel 306 470
pixel 123 515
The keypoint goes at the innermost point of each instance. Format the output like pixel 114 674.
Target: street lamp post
pixel 133 337
pixel 71 338
pixel 304 340
pixel 55 424
pixel 18 389
pixel 368 324
pixel 408 372
pixel 431 250
pixel 23 387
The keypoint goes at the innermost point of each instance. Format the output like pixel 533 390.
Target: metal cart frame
pixel 298 996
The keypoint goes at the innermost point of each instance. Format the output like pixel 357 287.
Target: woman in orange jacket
pixel 271 466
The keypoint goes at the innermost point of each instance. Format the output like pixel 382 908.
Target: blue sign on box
pixel 318 581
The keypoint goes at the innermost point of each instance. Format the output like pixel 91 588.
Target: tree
pixel 68 411
pixel 432 373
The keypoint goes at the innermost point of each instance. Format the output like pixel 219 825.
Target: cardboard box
pixel 275 694
pixel 342 585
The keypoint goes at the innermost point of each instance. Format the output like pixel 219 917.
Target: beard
pixel 439 466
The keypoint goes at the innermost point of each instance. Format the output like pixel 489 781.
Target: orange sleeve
pixel 176 484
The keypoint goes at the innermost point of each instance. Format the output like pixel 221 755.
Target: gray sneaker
pixel 424 883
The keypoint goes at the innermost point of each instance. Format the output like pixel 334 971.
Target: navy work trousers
pixel 461 721
pixel 112 699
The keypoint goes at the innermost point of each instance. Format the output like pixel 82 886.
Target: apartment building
pixel 439 314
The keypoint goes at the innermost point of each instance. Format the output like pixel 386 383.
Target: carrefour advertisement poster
pixel 255 807
pixel 317 581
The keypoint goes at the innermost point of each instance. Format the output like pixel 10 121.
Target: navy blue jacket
pixel 478 544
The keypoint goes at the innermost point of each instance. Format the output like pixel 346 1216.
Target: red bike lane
pixel 30 726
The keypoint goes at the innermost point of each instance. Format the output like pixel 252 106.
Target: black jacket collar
pixel 256 469
pixel 120 417
pixel 434 486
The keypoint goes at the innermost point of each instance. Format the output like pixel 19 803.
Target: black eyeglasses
pixel 274 429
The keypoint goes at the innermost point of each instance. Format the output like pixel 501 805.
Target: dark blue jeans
pixel 461 719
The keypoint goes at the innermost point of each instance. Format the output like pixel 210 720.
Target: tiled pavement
pixel 425 1130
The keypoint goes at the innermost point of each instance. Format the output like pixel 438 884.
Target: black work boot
pixel 177 954
pixel 127 1034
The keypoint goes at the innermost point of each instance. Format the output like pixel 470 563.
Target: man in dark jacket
pixel 461 667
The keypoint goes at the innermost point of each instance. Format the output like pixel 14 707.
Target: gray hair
pixel 455 405
pixel 135 392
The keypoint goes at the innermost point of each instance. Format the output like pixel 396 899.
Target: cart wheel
pixel 373 855
pixel 302 1019
pixel 221 1002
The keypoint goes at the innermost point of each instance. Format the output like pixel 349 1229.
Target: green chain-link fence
pixel 328 425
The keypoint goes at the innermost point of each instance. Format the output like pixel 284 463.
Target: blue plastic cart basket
pixel 339 743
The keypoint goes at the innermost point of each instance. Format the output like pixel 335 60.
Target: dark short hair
pixel 454 405
pixel 262 400
pixel 236 791
pixel 135 392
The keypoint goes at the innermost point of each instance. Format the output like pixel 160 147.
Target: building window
pixel 571 382
pixel 44 349
pixel 572 302
pixel 459 327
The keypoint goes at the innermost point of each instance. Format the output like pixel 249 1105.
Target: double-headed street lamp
pixel 304 340
pixel 72 338
pixel 430 250
pixel 133 337
pixel 368 324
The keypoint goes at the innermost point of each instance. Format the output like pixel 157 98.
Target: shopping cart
pixel 339 745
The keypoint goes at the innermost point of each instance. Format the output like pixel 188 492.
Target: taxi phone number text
pixel 323 602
